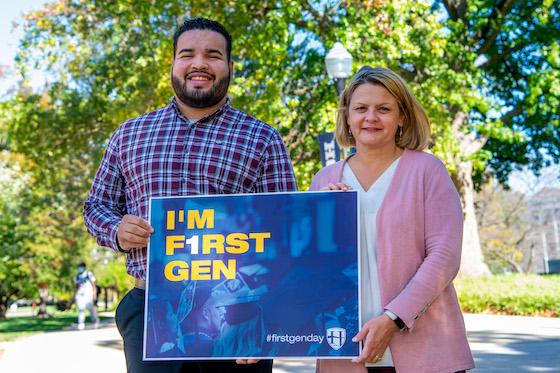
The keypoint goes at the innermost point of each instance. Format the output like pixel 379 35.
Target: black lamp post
pixel 339 67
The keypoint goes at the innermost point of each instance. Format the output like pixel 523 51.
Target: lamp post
pixel 339 67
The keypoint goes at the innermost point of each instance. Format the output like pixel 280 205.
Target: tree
pixel 512 50
pixel 486 71
pixel 12 266
pixel 42 236
pixel 504 228
pixel 112 274
pixel 21 270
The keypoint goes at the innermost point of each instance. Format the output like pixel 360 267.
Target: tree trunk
pixel 3 309
pixel 472 261
pixel 43 298
pixel 42 314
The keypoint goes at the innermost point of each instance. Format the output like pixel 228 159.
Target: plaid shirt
pixel 162 153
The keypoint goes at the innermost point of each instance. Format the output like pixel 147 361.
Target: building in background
pixel 543 216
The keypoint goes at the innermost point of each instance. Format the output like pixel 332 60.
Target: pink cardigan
pixel 419 232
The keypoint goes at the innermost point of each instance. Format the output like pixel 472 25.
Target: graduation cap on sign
pixel 244 288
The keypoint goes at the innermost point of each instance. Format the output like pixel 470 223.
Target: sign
pixel 253 275
pixel 328 148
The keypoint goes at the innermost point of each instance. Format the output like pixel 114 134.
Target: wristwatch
pixel 398 321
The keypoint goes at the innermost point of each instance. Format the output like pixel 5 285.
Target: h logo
pixel 336 337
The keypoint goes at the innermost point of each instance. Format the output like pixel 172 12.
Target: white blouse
pixel 370 201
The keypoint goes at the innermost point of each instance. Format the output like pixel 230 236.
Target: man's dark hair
pixel 82 264
pixel 200 23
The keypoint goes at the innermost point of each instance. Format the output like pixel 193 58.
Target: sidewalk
pixel 86 351
pixel 514 343
pixel 499 343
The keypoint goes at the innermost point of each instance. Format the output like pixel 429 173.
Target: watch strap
pixel 397 320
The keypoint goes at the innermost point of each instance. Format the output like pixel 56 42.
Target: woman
pixel 411 231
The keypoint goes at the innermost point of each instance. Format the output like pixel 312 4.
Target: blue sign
pixel 253 275
pixel 328 149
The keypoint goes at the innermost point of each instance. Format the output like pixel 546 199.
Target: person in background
pixel 411 225
pixel 85 296
pixel 197 145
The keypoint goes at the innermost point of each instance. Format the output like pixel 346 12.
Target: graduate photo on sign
pixel 253 275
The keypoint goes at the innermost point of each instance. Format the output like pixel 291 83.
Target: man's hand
pixel 133 232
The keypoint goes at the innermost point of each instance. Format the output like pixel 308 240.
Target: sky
pixel 527 182
pixel 10 11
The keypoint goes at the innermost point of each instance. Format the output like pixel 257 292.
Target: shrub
pixel 514 294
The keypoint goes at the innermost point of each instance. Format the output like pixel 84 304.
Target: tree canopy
pixel 486 71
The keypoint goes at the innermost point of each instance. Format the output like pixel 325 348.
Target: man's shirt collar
pixel 216 113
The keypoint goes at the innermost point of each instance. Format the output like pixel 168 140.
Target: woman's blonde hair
pixel 415 125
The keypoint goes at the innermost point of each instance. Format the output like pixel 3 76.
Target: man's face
pixel 201 72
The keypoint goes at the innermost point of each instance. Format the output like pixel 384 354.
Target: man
pixel 198 144
pixel 86 296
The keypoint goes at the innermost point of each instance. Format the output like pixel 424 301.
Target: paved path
pixel 499 343
pixel 514 344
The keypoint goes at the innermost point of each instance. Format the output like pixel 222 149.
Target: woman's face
pixel 373 116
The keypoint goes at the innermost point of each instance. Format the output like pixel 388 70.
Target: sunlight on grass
pixel 18 326
pixel 515 294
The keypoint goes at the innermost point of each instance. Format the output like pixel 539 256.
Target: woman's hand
pixel 247 361
pixel 376 335
pixel 337 186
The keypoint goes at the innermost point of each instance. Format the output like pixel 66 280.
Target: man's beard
pixel 199 98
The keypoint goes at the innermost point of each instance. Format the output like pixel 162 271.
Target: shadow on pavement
pixel 515 352
pixel 116 344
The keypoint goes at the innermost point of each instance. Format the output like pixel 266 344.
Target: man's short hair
pixel 200 23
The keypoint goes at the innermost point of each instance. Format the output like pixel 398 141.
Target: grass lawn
pixel 16 326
